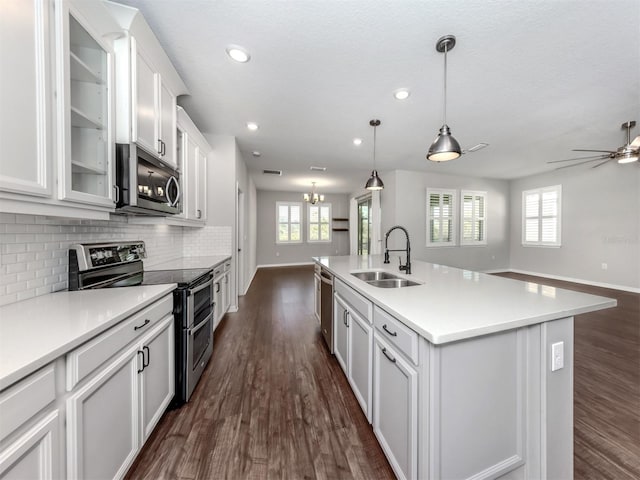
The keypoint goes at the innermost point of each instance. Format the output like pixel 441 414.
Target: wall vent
pixel 273 172
pixel 318 169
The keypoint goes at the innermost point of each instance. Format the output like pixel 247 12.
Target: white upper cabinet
pixel 153 108
pixel 147 85
pixel 85 105
pixel 25 96
pixel 193 161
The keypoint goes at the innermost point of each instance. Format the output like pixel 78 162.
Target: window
pixel 364 225
pixel 319 223
pixel 440 217
pixel 541 216
pixel 288 222
pixel 474 218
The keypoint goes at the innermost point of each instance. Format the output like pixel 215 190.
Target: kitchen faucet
pixel 407 266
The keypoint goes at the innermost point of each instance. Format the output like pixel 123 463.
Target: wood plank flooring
pixel 272 403
pixel 606 385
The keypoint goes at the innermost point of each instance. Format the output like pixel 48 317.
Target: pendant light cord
pixel 374 146
pixel 445 84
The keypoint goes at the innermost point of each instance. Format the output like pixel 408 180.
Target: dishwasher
pixel 326 307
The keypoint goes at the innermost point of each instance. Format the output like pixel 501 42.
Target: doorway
pixel 364 225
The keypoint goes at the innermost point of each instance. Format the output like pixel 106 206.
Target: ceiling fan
pixel 626 154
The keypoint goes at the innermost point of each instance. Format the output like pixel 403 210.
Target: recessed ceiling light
pixel 357 141
pixel 256 153
pixel 401 94
pixel 237 53
pixel 253 126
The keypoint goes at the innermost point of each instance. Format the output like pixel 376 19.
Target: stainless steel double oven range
pixel 119 264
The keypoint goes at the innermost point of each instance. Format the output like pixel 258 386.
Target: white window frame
pixel 309 223
pixel 540 217
pixel 474 217
pixel 289 205
pixel 454 220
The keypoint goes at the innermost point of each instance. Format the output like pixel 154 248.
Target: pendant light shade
pixel 374 182
pixel 444 147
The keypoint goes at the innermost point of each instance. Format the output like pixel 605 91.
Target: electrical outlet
pixel 604 266
pixel 277 254
pixel 557 356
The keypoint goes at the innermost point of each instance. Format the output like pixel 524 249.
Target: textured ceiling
pixel 534 79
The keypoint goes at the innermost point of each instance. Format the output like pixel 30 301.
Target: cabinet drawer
pixel 86 358
pixel 397 333
pixel 227 265
pixel 23 401
pixel 363 306
pixel 219 270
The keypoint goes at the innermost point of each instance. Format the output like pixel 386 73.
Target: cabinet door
pixel 34 455
pixel 201 206
pixel 360 360
pixel 144 94
pixel 191 172
pixel 226 289
pixel 103 422
pixel 25 96
pixel 340 333
pixel 167 123
pixel 395 409
pixel 158 378
pixel 85 103
pixel 218 293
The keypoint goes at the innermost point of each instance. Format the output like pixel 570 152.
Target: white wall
pixel 403 202
pixel 270 253
pixel 600 224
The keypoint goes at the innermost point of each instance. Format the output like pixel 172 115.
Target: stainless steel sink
pixel 371 276
pixel 393 283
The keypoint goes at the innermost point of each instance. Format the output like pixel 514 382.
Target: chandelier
pixel 313 197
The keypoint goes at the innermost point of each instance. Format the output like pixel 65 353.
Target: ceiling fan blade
pixel 602 163
pixel 580 163
pixel 583 150
pixel 636 143
pixel 593 157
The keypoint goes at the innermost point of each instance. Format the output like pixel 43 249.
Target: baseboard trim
pixel 571 279
pixel 275 265
pixel 250 280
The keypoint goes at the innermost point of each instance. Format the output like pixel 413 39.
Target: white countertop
pixel 35 332
pixel 454 304
pixel 186 263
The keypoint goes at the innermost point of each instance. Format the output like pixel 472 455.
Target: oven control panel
pixel 102 254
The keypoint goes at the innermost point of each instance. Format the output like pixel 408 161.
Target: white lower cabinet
pixel 395 408
pixel 102 421
pixel 354 336
pixel 110 416
pixel 35 454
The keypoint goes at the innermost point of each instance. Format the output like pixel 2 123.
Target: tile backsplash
pixel 34 249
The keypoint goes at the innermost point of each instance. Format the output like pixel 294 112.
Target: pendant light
pixel 374 182
pixel 444 147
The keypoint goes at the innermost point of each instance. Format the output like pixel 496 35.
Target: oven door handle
pixel 207 283
pixel 192 331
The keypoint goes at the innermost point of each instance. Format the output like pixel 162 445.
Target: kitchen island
pixel 463 375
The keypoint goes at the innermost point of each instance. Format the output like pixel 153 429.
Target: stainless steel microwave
pixel 145 185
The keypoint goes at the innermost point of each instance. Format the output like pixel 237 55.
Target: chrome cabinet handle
pixel 199 213
pixel 146 322
pixel 346 317
pixel 172 202
pixel 159 147
pixel 141 369
pixel 164 148
pixel 391 359
pixel 116 188
pixel 393 334
pixel 217 287
pixel 145 365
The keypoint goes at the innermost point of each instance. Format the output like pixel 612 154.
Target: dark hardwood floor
pixel 273 403
pixel 606 385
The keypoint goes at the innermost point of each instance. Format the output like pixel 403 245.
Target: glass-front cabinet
pixel 86 146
